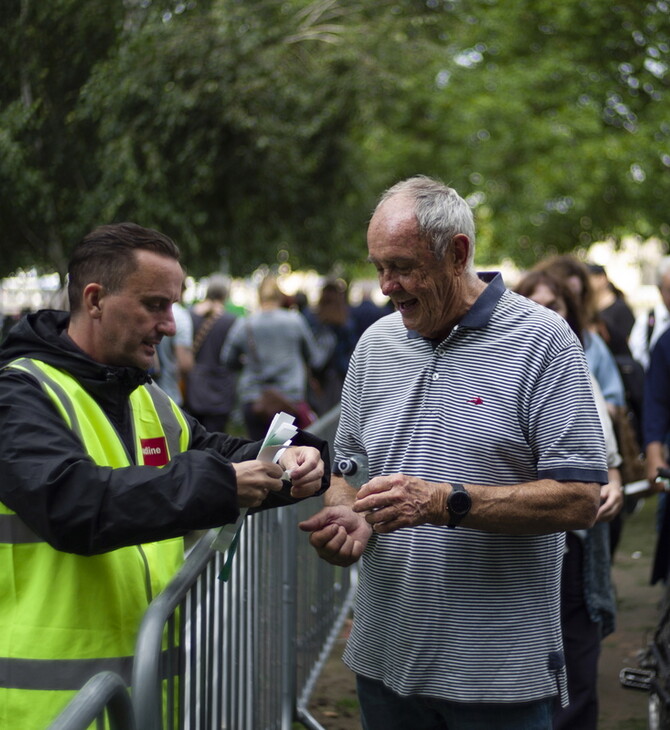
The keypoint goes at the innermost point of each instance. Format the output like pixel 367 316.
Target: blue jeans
pixel 383 709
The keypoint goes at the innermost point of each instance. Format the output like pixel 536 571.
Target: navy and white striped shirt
pixel 462 614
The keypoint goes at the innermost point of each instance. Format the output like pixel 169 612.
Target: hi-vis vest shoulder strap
pixel 68 397
pixel 65 617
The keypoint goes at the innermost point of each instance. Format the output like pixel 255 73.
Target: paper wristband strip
pixel 228 564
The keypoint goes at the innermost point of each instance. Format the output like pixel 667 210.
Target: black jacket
pixel 49 480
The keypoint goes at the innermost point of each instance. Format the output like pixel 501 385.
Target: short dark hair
pixel 107 256
pixel 217 288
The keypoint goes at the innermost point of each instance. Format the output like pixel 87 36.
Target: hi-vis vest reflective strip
pixel 65 617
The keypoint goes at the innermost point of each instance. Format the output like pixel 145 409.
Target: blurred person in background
pixel 210 386
pixel 588 606
pixel 656 423
pixel 598 356
pixel 614 323
pixel 175 354
pixel 366 311
pixel 333 331
pixel 273 349
pixel 615 318
pixel 650 325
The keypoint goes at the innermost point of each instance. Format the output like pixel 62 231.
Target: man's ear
pixel 93 297
pixel 460 249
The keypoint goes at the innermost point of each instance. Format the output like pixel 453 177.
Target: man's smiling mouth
pixel 405 305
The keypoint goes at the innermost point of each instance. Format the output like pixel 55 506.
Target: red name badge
pixel 154 451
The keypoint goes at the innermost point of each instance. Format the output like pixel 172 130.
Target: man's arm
pixel 77 506
pixel 341 530
pixel 392 502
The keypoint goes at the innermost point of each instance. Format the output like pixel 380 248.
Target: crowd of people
pixel 499 427
pixel 283 355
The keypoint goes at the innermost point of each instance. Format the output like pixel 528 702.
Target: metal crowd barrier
pixel 104 695
pixel 245 653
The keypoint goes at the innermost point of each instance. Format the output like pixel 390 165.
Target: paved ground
pixel 334 703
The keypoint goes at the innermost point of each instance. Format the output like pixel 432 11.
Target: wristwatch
pixel 459 503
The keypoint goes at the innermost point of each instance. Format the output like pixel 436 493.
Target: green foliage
pixel 230 130
pixel 555 121
pixel 246 128
pixel 46 52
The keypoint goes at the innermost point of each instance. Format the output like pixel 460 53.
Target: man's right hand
pixel 255 479
pixel 655 460
pixel 339 535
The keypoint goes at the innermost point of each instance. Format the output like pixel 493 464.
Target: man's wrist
pixel 339 493
pixel 459 503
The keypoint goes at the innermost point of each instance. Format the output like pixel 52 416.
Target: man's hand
pixel 255 479
pixel 655 460
pixel 305 466
pixel 611 497
pixel 339 536
pixel 396 501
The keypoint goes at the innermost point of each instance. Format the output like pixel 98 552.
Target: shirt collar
pixel 480 312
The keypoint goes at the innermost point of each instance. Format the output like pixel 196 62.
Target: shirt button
pixel 436 376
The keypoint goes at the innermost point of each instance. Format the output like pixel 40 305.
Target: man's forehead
pixel 399 246
pixel 156 275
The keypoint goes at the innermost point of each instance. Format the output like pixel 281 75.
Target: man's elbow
pixel 586 508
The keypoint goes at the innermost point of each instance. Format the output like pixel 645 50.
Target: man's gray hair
pixel 440 212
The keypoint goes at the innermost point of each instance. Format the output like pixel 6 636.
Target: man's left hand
pixel 611 502
pixel 305 467
pixel 396 501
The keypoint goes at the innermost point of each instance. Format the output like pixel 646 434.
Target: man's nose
pixel 167 326
pixel 387 283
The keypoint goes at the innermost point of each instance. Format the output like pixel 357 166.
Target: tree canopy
pixel 254 129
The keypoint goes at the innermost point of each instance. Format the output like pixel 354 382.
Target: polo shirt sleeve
pixel 563 424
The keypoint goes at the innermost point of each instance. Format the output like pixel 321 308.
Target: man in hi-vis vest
pixel 103 475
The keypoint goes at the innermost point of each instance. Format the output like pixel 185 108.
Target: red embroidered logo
pixel 154 451
pixel 477 401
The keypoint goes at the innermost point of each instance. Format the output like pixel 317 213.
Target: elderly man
pixel 474 408
pixel 102 474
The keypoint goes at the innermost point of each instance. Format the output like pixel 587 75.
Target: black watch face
pixel 459 503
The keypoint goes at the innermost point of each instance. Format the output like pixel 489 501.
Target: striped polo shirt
pixel 462 614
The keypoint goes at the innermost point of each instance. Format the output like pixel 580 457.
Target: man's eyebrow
pixel 394 261
pixel 156 299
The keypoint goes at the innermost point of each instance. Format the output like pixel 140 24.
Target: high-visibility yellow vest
pixel 65 617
